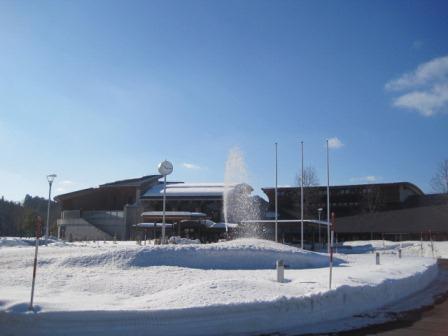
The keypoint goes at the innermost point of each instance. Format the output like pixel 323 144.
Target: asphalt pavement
pixel 427 321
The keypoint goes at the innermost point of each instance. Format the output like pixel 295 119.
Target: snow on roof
pixel 152 225
pixel 212 225
pixel 180 189
pixel 223 225
pixel 169 214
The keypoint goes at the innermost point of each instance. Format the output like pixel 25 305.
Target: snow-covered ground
pixel 436 249
pixel 214 289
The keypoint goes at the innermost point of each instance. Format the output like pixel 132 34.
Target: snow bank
pixel 236 254
pixel 115 295
pixel 183 241
pixel 26 242
pixel 15 242
pixel 372 245
pixel 286 314
pixel 435 249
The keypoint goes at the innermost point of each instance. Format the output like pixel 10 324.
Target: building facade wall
pixel 344 200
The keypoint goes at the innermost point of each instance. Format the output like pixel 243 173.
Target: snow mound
pixel 27 242
pixel 183 241
pixel 237 254
pixel 356 247
pixel 15 242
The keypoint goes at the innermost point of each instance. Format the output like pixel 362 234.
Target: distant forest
pixel 19 219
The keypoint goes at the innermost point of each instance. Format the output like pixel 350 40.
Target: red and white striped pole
pixel 38 234
pixel 331 247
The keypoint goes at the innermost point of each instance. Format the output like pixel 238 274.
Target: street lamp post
pixel 165 168
pixel 50 179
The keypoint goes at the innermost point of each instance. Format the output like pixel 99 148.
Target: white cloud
pixel 335 143
pixel 368 179
pixel 434 70
pixel 427 102
pixel 190 166
pixel 65 186
pixel 426 86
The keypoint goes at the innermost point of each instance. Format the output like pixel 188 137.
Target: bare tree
pixel 373 199
pixel 310 195
pixel 310 178
pixel 439 182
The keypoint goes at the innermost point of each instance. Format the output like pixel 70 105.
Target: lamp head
pixel 165 168
pixel 51 177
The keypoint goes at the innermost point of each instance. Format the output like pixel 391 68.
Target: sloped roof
pixel 133 182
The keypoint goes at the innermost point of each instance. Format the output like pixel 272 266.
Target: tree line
pixel 19 219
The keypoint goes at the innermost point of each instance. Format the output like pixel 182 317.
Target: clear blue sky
pixel 97 91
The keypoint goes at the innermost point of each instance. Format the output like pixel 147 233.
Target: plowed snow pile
pixel 213 289
pixel 237 254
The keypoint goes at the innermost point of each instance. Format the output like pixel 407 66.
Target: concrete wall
pixel 74 229
pixel 92 225
pixel 111 222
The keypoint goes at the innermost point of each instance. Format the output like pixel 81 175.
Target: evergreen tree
pixel 19 219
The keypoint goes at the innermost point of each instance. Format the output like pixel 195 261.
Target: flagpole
pixel 276 194
pixel 328 199
pixel 331 251
pixel 301 203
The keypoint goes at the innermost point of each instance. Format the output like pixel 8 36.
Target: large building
pixel 393 210
pixel 113 209
pixel 345 200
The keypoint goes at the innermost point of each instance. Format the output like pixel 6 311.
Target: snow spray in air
pixel 238 204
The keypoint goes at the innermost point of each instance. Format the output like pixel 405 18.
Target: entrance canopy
pixel 172 216
pixel 152 225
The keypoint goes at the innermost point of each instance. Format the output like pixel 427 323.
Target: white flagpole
pixel 301 204
pixel 276 194
pixel 328 199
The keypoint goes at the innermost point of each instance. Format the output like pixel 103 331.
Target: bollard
pixel 280 270
pixel 399 253
pixel 377 258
